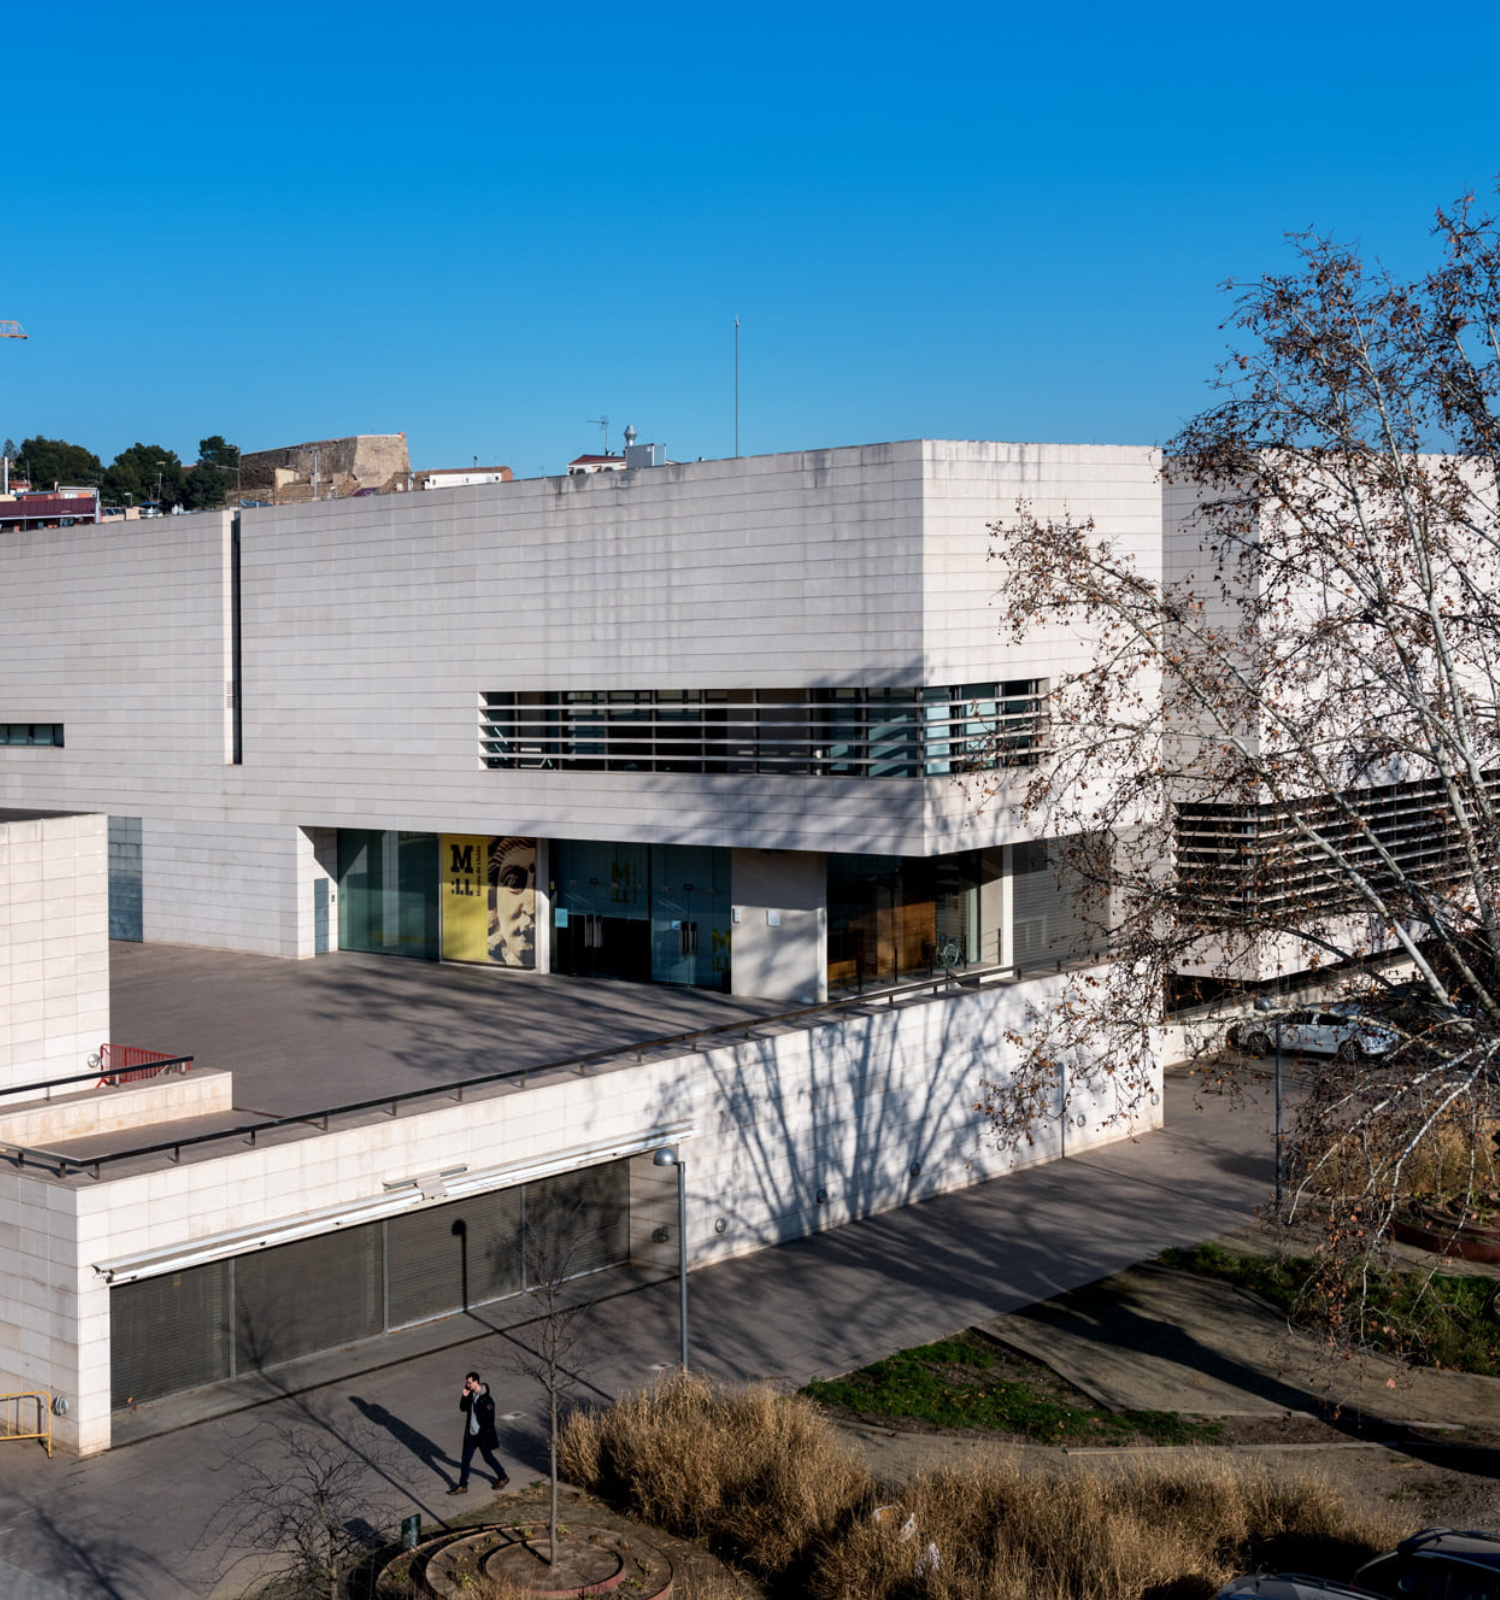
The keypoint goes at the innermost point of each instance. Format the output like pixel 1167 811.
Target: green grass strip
pixel 1435 1321
pixel 953 1384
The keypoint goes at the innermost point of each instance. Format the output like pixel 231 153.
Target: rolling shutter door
pixel 169 1333
pixel 310 1295
pixel 232 1317
pixel 452 1257
pixel 578 1222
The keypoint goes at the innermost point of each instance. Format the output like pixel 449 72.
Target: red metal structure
pixel 128 1063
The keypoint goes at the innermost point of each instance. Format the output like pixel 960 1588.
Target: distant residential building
pixel 460 477
pixel 636 455
pixel 40 508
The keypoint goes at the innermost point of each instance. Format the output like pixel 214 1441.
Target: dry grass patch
pixel 767 1480
pixel 746 1471
pixel 1180 1526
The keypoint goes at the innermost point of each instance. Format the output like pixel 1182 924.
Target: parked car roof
pixel 1288 1586
pixel 1437 1561
pixel 1472 1544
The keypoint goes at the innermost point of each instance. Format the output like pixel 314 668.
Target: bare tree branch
pixel 1281 764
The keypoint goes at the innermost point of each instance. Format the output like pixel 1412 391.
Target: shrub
pixel 750 1473
pixel 767 1480
pixel 1180 1527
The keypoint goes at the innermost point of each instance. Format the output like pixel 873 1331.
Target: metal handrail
pixel 98 1076
pixel 43 1417
pixel 972 977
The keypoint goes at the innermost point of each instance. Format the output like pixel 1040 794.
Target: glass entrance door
pixel 689 916
pixel 648 913
pixel 603 910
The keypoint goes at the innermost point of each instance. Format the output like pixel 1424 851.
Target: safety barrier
pixel 128 1063
pixel 13 1414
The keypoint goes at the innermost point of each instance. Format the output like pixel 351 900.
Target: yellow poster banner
pixel 465 885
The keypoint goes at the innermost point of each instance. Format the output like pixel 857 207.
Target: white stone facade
pixel 54 944
pixel 370 627
pixel 873 1110
pixel 246 685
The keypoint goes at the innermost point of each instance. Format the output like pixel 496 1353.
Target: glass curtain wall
pixel 646 913
pixel 892 917
pixel 388 892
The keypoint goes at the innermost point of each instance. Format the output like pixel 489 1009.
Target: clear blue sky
pixel 486 224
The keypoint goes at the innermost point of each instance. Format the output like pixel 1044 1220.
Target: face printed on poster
pixel 512 908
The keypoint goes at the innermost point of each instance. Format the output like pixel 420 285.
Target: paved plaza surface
pixel 147 1521
pixel 304 1035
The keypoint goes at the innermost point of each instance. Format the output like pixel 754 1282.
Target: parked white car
pixel 1331 1030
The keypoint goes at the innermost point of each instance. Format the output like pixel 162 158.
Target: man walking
pixel 478 1407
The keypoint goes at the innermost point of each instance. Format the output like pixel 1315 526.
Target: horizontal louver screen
pixel 1054 916
pixel 1282 862
pixel 933 731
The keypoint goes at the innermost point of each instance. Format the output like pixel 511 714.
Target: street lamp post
pixel 668 1157
pixel 1264 1005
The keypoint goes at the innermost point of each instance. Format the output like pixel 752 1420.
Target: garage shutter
pixel 169 1333
pixel 453 1257
pixel 232 1317
pixel 310 1295
pixel 578 1222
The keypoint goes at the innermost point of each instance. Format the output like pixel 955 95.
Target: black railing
pixel 103 1077
pixel 63 1165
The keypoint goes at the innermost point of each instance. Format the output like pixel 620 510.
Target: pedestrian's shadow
pixel 428 1453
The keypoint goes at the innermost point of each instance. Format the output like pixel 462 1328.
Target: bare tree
pixel 1284 757
pixel 301 1498
pixel 547 1350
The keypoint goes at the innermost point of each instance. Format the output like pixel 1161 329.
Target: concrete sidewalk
pixel 146 1522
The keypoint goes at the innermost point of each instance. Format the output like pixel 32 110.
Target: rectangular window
pixel 50 733
pixel 934 731
pixel 1058 911
pixel 891 917
pixel 388 892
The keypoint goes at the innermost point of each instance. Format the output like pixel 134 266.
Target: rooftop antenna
pixel 736 387
pixel 602 422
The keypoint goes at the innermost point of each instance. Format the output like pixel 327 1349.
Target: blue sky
pixel 485 225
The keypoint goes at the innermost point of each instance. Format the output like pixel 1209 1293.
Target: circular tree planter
pixel 590 1561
